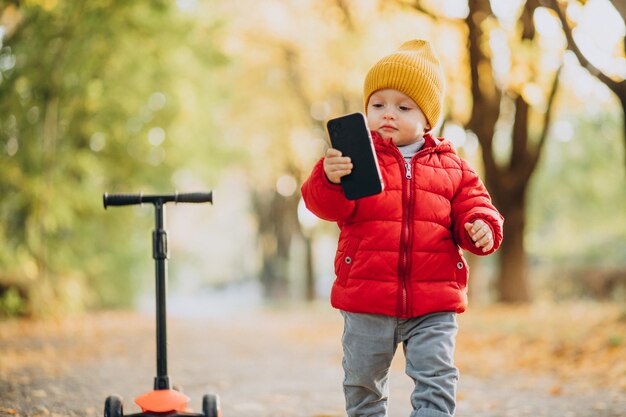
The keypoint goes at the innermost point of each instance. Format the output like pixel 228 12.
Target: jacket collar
pixel 431 144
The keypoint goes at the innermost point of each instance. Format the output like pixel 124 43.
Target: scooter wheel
pixel 113 406
pixel 211 406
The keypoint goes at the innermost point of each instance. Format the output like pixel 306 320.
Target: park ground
pixel 566 360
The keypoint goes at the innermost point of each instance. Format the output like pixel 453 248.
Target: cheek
pixel 419 123
pixel 371 117
pixel 423 120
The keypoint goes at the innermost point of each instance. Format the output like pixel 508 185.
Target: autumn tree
pixel 87 99
pixel 508 181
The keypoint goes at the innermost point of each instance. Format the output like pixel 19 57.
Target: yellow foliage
pixel 582 343
pixel 45 4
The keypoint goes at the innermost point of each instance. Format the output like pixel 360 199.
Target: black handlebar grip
pixel 195 197
pixel 130 199
pixel 121 199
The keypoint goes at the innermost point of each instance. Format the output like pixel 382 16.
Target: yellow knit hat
pixel 414 70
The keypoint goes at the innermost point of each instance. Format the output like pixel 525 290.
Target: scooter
pixel 163 401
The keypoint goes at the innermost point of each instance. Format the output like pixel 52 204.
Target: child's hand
pixel 336 166
pixel 481 234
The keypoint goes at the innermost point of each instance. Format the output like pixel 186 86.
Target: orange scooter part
pixel 162 401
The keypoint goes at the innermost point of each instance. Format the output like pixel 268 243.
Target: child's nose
pixel 389 114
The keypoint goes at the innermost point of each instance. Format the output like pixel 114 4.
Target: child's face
pixel 395 115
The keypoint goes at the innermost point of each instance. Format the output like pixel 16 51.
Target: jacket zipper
pixel 404 242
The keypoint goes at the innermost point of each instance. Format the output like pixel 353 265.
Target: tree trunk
pixel 512 278
pixel 309 289
pixel 622 100
pixel 477 293
pixel 278 223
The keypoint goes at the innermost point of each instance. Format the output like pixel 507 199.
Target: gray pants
pixel 369 344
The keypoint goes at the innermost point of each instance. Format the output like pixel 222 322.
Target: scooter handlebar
pixel 132 199
pixel 121 199
pixel 195 197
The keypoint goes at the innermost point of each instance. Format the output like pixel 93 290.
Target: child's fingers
pixel 487 246
pixel 471 227
pixel 336 166
pixel 339 172
pixel 481 234
pixel 340 166
pixel 334 161
pixel 337 159
pixel 484 242
pixel 332 152
pixel 478 227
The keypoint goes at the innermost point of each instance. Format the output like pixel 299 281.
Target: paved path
pixel 279 362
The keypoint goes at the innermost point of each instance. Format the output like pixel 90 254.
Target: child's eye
pixel 405 108
pixel 377 105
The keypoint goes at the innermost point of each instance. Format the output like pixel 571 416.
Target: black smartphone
pixel 350 135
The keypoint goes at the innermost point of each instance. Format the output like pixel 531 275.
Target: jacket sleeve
pixel 325 199
pixel 470 203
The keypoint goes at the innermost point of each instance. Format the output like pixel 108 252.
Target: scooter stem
pixel 160 254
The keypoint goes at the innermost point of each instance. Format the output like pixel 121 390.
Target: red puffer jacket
pixel 399 251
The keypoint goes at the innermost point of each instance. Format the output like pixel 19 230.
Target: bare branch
pixel 345 10
pixel 572 46
pixel 419 7
pixel 547 121
pixel 486 96
pixel 620 6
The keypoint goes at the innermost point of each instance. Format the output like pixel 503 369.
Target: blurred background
pixel 232 96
